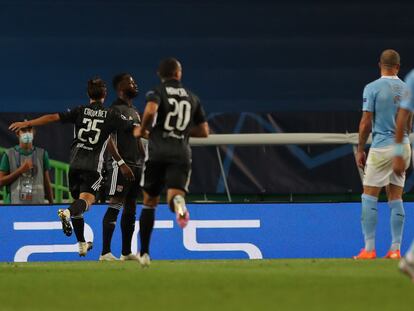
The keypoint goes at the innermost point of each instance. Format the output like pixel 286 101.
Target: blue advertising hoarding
pixel 216 231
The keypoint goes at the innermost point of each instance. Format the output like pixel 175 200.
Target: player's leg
pixel 128 227
pixel 397 218
pixel 176 202
pixel 177 180
pixel 129 217
pixel 88 184
pixel 395 203
pixel 152 183
pixel 108 227
pixel 146 221
pixel 406 264
pixel 84 196
pixel 369 219
pixel 377 175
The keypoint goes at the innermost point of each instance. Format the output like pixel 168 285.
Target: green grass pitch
pixel 206 285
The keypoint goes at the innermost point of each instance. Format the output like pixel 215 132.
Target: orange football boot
pixel 366 255
pixel 393 254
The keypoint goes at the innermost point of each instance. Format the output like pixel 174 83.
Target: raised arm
pixel 45 119
pixel 149 115
pixel 200 130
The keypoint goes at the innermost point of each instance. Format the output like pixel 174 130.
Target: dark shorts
pixel 83 181
pixel 118 186
pixel 156 175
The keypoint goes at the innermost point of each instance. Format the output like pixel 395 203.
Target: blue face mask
pixel 26 138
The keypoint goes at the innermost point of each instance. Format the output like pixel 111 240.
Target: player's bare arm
pixel 365 126
pixel 403 117
pixel 201 130
pixel 125 169
pixel 149 115
pixel 45 119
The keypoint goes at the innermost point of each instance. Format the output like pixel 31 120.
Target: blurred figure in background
pixel 24 170
pixel 404 116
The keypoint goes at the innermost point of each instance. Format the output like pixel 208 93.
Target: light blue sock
pixel 397 223
pixel 369 220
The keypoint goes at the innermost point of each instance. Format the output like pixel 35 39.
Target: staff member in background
pixel 24 169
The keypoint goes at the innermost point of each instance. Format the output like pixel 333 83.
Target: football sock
pixel 127 228
pixel 369 220
pixel 78 224
pixel 179 203
pixel 410 253
pixel 108 226
pixel 146 224
pixel 397 223
pixel 78 207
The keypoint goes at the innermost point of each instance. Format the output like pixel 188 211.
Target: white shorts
pixel 378 170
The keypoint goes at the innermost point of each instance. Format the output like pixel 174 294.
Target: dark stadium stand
pixel 250 57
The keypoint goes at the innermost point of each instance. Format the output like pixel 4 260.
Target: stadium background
pixel 261 66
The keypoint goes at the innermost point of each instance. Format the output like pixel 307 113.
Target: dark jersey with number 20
pixel 93 124
pixel 178 111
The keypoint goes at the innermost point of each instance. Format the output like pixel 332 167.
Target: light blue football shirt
pixel 407 101
pixel 382 98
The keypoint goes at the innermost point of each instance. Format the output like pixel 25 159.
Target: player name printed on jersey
pixel 95 113
pixel 176 91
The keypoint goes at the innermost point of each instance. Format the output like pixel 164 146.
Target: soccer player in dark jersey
pixel 93 124
pixel 122 192
pixel 177 114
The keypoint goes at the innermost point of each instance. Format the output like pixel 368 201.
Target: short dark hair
pixel 390 58
pixel 118 78
pixel 168 67
pixel 96 88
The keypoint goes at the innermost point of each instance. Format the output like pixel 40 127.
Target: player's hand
pixel 16 126
pixel 361 159
pixel 127 172
pixel 27 165
pixel 138 132
pixel 398 165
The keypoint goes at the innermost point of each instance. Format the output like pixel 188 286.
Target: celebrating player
pixel 380 104
pixel 93 124
pixel 177 114
pixel 123 193
pixel 404 115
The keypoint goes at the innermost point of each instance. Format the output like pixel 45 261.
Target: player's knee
pixel 88 198
pixel 130 207
pixel 150 201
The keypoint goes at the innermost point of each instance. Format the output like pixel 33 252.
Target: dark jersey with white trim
pixel 178 111
pixel 127 144
pixel 92 125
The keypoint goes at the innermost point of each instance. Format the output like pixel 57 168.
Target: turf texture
pixel 206 285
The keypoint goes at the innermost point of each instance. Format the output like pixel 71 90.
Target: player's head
pixel 26 134
pixel 97 89
pixel 125 85
pixel 170 68
pixel 390 61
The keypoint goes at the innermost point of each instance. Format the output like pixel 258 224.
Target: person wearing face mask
pixel 24 169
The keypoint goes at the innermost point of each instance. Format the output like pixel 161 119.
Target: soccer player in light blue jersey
pixel 381 99
pixel 404 115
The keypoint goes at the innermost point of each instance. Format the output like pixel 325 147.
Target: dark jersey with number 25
pixel 93 124
pixel 178 111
